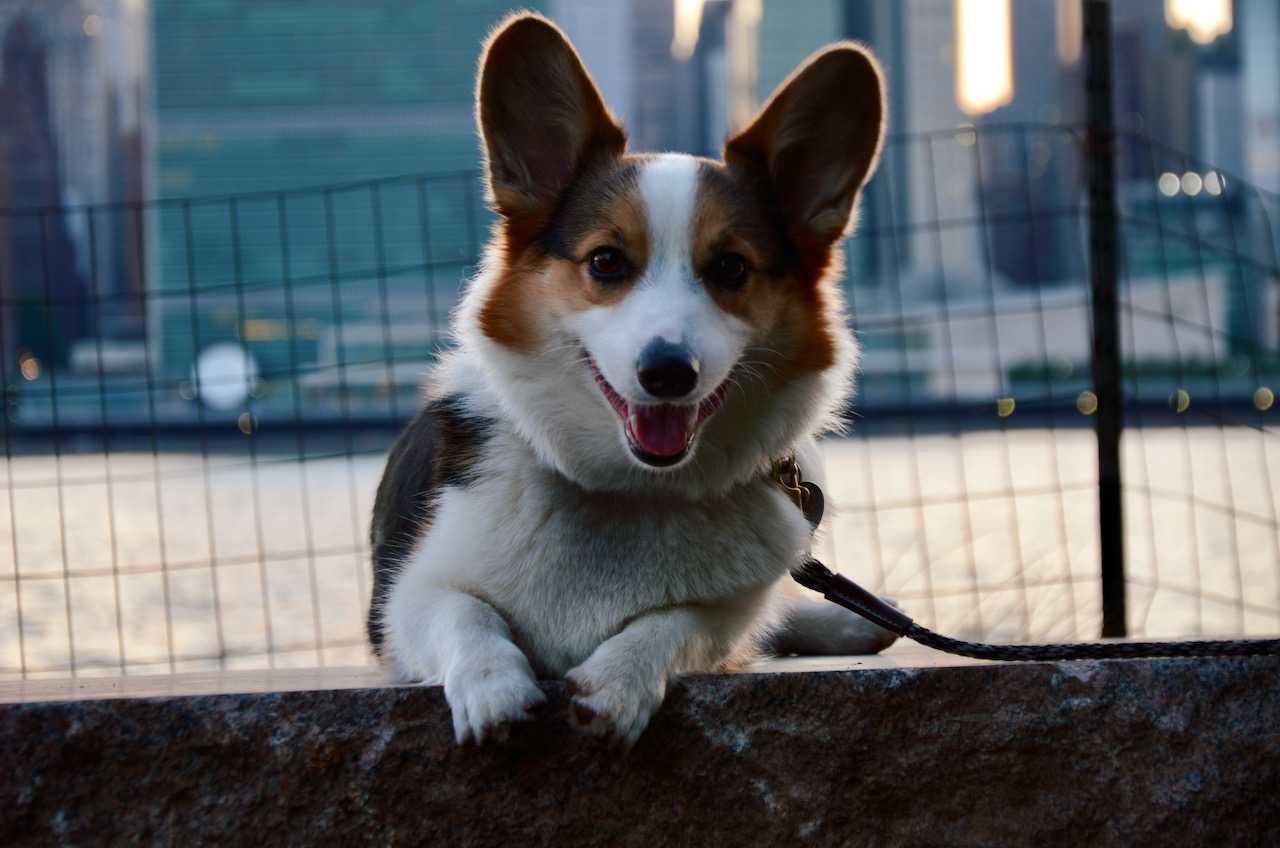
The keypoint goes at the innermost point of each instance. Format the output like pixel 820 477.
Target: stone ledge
pixel 908 746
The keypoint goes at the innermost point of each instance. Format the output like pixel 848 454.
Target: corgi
pixel 587 493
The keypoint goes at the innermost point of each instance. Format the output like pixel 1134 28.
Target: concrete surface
pixel 220 564
pixel 908 747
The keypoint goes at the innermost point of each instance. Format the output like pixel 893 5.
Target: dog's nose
pixel 665 370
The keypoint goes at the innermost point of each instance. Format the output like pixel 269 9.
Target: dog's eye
pixel 728 271
pixel 607 264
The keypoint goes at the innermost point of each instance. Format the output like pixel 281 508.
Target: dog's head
pixel 665 320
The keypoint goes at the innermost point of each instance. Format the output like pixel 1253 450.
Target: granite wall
pixel 1091 753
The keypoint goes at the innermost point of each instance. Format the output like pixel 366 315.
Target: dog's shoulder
pixel 441 447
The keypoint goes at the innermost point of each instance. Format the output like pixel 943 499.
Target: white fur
pixel 566 558
pixel 582 580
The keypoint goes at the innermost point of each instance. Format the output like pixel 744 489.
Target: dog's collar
pixel 804 494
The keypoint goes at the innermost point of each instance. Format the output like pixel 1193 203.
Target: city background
pixel 232 232
pixel 339 288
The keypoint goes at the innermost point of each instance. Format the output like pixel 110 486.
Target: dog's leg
pixel 820 628
pixel 625 678
pixel 440 636
pixel 619 686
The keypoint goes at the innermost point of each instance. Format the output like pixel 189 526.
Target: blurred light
pixel 984 55
pixel 742 40
pixel 1169 184
pixel 1070 31
pixel 246 424
pixel 1191 183
pixel 1087 403
pixel 1204 20
pixel 1264 399
pixel 1181 401
pixel 92 25
pixel 1005 406
pixel 1213 183
pixel 262 330
pixel 29 366
pixel 224 374
pixel 688 23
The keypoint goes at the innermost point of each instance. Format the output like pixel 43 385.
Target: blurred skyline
pixel 117 101
pixel 196 66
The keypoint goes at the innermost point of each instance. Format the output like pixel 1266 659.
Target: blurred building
pixel 71 117
pixel 1260 59
pixel 277 132
pixel 255 95
pixel 983 219
pixel 667 102
pixel 272 95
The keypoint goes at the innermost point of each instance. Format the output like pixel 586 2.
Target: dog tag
pixel 814 504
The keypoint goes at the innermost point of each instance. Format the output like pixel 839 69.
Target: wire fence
pixel 199 393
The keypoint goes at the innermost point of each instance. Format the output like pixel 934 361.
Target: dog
pixel 587 493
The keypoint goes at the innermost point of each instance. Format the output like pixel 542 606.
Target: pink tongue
pixel 662 430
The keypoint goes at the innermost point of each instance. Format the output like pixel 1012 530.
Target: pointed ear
pixel 816 142
pixel 541 118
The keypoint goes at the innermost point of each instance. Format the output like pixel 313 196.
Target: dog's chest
pixel 568 568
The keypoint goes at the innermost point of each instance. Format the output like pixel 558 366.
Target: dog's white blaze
pixel 669 188
pixel 668 301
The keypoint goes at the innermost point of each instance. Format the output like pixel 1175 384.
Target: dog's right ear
pixel 541 117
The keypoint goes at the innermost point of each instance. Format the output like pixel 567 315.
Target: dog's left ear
pixel 541 117
pixel 816 142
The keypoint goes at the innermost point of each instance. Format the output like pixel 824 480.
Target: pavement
pixel 137 564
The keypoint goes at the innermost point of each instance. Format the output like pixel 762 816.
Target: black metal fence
pixel 190 458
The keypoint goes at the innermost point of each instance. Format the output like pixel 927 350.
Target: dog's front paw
pixel 486 701
pixel 612 704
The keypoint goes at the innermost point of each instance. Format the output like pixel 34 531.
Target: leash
pixel 838 589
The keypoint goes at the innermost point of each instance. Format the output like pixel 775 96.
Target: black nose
pixel 667 370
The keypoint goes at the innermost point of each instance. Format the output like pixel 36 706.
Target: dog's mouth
pixel 660 434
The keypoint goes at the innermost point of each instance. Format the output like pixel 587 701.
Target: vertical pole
pixel 1103 276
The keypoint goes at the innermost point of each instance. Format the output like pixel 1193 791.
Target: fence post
pixel 1103 279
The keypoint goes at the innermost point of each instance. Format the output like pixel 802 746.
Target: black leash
pixel 838 589
pixel 843 591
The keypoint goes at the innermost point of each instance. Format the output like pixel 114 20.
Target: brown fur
pixel 786 298
pixel 810 150
pixel 549 276
pixel 542 129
